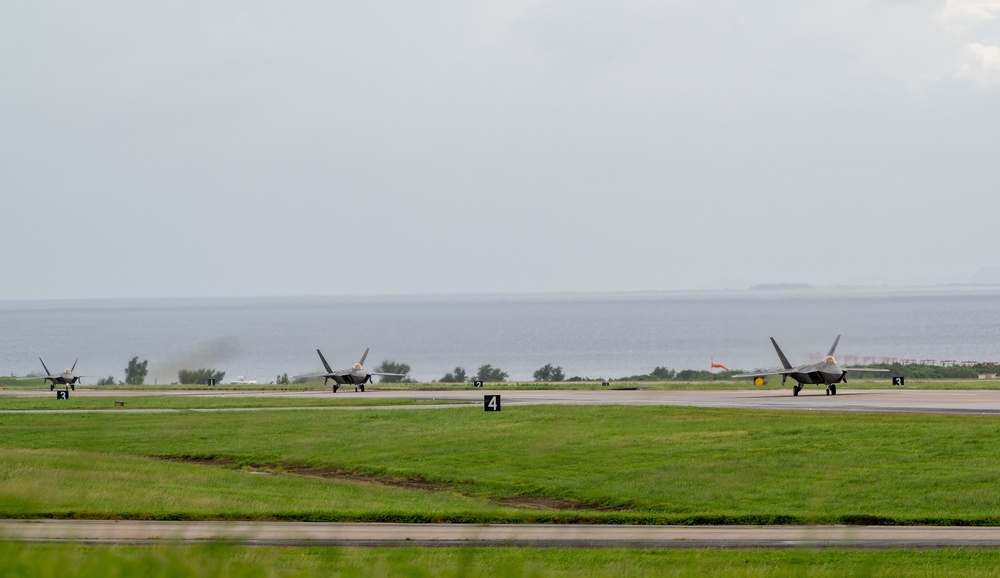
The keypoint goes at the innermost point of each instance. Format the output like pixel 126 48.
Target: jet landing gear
pixel 362 386
pixel 831 389
pixel 336 386
pixel 796 389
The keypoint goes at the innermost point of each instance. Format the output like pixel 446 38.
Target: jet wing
pixel 878 369
pixel 762 374
pixel 339 373
pixel 390 374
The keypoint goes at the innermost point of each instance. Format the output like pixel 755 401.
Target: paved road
pixel 303 533
pixel 883 400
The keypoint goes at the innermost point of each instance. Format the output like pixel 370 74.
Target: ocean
pixel 588 335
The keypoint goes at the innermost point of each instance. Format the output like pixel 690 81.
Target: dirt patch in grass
pixel 207 461
pixel 518 502
pixel 541 503
pixel 311 472
pixel 335 474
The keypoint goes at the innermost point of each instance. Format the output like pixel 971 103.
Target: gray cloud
pixel 183 149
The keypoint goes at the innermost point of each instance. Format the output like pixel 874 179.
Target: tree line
pixel 136 372
pixel 489 374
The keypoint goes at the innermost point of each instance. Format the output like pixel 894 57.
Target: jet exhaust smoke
pixel 204 355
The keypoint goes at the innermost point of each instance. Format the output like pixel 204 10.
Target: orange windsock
pixel 719 365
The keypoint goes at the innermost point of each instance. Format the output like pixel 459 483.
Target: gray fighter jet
pixel 826 372
pixel 64 378
pixel 356 376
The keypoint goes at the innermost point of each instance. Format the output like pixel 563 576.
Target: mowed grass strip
pixel 80 401
pixel 77 484
pixel 607 464
pixel 221 561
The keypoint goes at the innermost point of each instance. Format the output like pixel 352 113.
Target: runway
pixel 526 535
pixel 981 402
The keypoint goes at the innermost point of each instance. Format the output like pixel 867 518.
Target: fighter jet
pixel 826 372
pixel 357 375
pixel 64 378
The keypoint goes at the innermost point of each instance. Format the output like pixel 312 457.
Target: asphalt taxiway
pixel 959 401
pixel 533 535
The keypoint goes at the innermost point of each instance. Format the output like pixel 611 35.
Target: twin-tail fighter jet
pixel 826 372
pixel 357 376
pixel 64 378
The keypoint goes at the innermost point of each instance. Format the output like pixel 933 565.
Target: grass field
pixel 220 561
pixel 196 402
pixel 526 464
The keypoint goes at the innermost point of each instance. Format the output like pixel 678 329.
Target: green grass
pixel 221 561
pixel 80 401
pixel 604 464
pixel 74 484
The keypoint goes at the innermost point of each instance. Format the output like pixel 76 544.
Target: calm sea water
pixel 611 335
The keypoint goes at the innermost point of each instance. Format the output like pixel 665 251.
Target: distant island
pixel 986 276
pixel 780 286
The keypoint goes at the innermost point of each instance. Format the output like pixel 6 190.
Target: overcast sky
pixel 312 148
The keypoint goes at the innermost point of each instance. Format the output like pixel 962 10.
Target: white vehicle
pixel 241 380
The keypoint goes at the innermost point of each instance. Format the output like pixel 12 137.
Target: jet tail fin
pixel 72 369
pixel 325 364
pixel 834 346
pixel 363 357
pixel 781 356
pixel 47 372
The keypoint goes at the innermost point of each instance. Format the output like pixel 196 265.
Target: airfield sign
pixel 62 394
pixel 491 402
pixel 898 380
